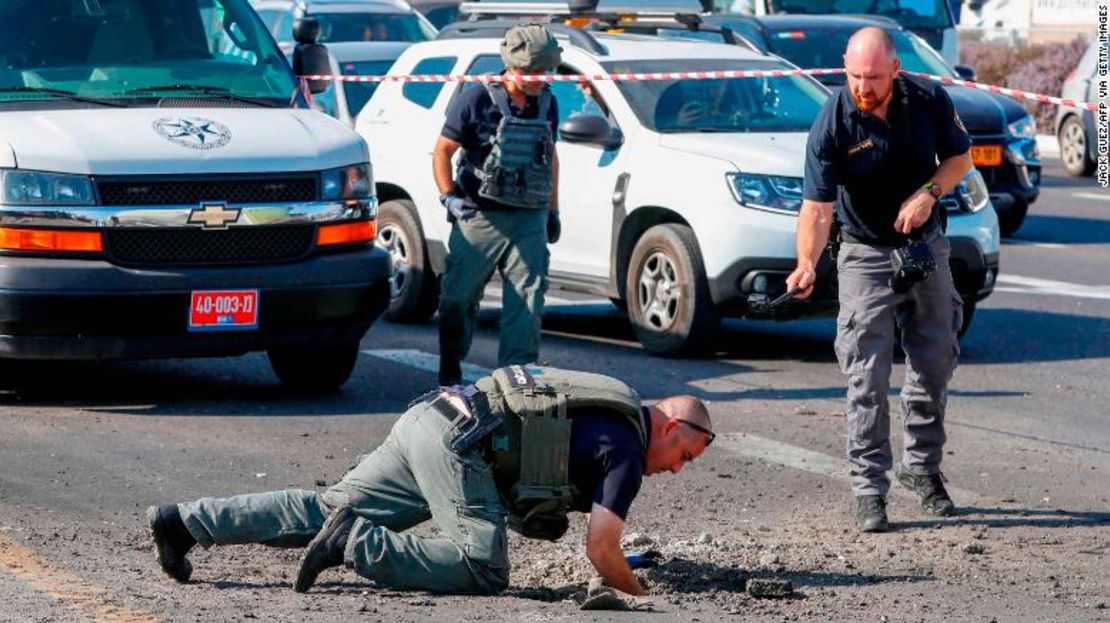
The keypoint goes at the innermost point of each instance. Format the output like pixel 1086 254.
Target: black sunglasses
pixel 710 435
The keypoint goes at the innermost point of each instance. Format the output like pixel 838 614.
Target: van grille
pixel 192 191
pixel 237 245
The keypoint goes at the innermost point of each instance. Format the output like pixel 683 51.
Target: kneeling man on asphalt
pixel 880 155
pixel 519 449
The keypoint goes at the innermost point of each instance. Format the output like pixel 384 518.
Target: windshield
pixel 823 48
pixel 358 93
pixel 122 48
pixel 373 27
pixel 788 104
pixel 932 14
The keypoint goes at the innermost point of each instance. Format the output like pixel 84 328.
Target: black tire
pixel 414 288
pixel 684 321
pixel 969 314
pixel 321 370
pixel 1011 219
pixel 620 304
pixel 1074 152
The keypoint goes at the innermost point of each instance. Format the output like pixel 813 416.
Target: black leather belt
pixel 849 238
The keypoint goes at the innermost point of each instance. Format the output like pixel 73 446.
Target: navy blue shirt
pixel 869 166
pixel 472 121
pixel 607 460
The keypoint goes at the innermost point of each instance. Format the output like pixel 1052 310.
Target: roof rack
pixel 588 8
pixel 496 28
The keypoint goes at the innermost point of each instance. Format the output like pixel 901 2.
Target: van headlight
pixel 350 182
pixel 39 188
pixel 775 193
pixel 1023 128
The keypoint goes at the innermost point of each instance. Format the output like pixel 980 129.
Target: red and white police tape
pixel 697 75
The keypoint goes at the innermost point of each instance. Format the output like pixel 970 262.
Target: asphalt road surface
pixel 85 448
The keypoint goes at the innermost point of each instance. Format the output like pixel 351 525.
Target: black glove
pixel 554 227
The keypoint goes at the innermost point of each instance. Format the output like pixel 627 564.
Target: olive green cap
pixel 530 47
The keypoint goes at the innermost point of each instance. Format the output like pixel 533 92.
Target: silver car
pixel 1075 129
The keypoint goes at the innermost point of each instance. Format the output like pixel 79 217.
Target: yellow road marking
pixel 79 595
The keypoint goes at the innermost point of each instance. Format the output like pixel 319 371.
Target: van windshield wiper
pixel 70 95
pixel 212 91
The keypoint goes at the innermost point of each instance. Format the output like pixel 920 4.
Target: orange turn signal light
pixel 12 239
pixel 346 233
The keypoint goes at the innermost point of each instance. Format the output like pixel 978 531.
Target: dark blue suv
pixel 1003 134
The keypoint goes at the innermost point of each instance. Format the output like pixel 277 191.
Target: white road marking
pixel 1095 196
pixel 493 298
pixel 1032 285
pixel 1018 242
pixel 751 446
pixel 426 361
pixel 779 453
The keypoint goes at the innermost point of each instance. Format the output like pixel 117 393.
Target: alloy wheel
pixel 659 294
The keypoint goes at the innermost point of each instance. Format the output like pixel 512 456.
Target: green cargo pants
pixel 410 478
pixel 513 242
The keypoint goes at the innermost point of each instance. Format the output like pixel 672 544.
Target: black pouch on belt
pixel 912 264
pixel 467 429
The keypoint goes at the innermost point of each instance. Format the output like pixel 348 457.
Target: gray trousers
pixel 410 478
pixel 513 242
pixel 929 317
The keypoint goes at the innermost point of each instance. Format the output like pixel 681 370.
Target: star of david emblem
pixel 193 132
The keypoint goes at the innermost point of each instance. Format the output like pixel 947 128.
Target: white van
pixel 164 193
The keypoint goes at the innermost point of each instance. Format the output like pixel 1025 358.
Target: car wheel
pixel 413 287
pixel 1073 148
pixel 668 295
pixel 320 370
pixel 1011 219
pixel 969 314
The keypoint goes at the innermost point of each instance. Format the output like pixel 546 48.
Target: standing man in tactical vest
pixel 503 204
pixel 520 449
pixel 880 156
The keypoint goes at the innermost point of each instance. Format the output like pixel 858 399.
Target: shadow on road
pixel 597 338
pixel 1064 230
pixel 1015 518
pixel 1023 335
pixel 680 575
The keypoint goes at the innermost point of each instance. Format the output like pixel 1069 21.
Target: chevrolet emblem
pixel 213 216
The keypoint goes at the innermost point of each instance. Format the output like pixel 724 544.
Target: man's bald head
pixel 871 65
pixel 869 42
pixel 674 444
pixel 686 408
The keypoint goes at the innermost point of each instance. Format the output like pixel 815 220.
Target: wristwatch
pixel 443 197
pixel 934 190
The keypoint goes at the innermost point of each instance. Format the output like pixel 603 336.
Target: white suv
pixel 679 198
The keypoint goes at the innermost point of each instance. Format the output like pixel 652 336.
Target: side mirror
pixel 306 30
pixel 312 59
pixel 965 72
pixel 590 130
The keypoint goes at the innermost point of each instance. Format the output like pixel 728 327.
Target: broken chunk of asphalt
pixel 770 588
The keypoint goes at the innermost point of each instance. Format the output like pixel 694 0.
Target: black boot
pixel 450 373
pixel 172 541
pixel 326 550
pixel 871 514
pixel 930 490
